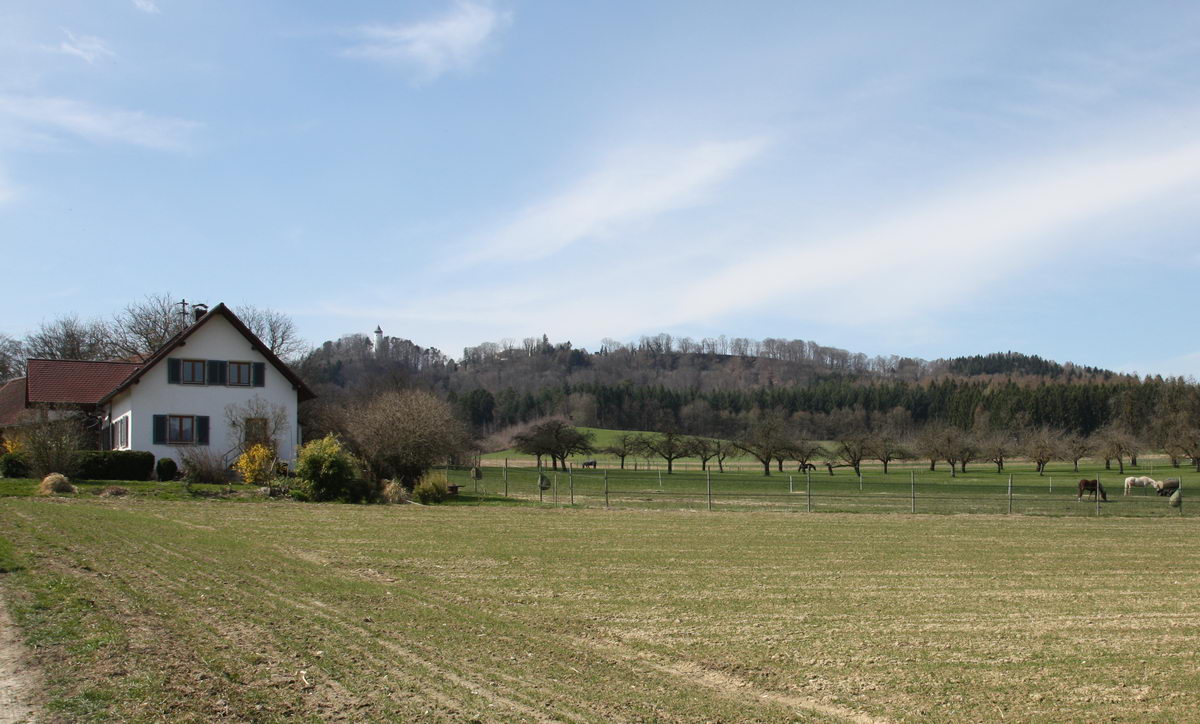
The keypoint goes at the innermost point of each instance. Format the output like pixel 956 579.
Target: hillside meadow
pixel 142 608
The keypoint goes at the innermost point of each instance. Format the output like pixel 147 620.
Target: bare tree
pixel 764 439
pixel 1041 446
pixel 12 358
pixel 929 442
pixel 669 446
pixel 885 447
pixel 258 421
pixel 805 451
pixel 852 448
pixel 624 445
pixel 139 330
pixel 401 434
pixel 69 338
pixel 706 449
pixel 1076 447
pixel 275 329
pixel 1114 443
pixel 995 448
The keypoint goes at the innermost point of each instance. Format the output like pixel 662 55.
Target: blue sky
pixel 927 179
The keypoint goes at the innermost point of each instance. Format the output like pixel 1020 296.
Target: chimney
pixel 198 311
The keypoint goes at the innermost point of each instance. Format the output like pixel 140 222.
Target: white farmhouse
pixel 215 384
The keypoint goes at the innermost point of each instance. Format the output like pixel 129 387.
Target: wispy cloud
pixel 631 187
pixel 87 47
pixel 919 261
pixel 146 6
pixel 97 124
pixel 453 42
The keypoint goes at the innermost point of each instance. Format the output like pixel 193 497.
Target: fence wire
pixel 902 492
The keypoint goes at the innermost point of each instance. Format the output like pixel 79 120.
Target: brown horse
pixel 1092 486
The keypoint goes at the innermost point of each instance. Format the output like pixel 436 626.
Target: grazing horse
pixel 1166 487
pixel 589 464
pixel 1092 486
pixel 1138 481
pixel 805 467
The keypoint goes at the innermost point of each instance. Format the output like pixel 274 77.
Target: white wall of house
pixel 153 395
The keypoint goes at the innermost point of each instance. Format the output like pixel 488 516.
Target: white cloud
pixel 631 187
pixel 434 47
pixel 146 6
pixel 934 256
pixel 88 47
pixel 99 125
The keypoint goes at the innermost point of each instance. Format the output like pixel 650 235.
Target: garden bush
pixel 166 469
pixel 55 484
pixel 202 465
pixel 325 470
pixel 14 465
pixel 256 465
pixel 433 488
pixel 114 464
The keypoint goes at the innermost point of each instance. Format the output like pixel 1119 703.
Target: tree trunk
pixel 999 468
pixel 767 467
pixel 622 461
pixel 885 462
pixel 1121 463
pixel 932 465
pixel 669 462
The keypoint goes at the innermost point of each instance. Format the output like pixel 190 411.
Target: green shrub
pixel 166 469
pixel 14 465
pixel 114 464
pixel 327 471
pixel 433 488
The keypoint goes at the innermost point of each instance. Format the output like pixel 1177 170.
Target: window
pixel 256 430
pixel 239 374
pixel 181 429
pixel 122 433
pixel 191 371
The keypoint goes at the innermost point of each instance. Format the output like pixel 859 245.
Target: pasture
pixel 906 488
pixel 140 608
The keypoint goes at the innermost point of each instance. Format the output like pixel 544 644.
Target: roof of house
pixel 69 381
pixel 303 392
pixel 12 401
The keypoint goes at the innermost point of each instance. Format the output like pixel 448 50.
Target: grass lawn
pixel 141 608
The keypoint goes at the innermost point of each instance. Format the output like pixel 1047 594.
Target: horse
pixel 805 467
pixel 1138 481
pixel 588 464
pixel 1092 486
pixel 1166 487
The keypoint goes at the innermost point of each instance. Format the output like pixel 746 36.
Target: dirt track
pixel 15 684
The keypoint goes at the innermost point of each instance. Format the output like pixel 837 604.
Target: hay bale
pixel 1176 499
pixel 394 492
pixel 55 484
pixel 114 491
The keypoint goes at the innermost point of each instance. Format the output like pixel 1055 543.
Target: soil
pixel 16 682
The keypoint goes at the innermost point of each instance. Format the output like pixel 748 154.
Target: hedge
pixel 115 465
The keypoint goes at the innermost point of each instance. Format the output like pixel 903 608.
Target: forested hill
pixel 719 386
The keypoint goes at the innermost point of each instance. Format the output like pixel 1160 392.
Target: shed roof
pixel 68 381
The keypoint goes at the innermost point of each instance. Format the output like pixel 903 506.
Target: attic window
pixel 239 374
pixel 191 371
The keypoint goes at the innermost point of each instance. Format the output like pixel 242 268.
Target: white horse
pixel 1140 481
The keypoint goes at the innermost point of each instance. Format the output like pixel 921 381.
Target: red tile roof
pixel 74 381
pixel 12 401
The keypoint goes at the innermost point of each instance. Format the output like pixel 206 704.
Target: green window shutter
pixel 258 375
pixel 216 371
pixel 173 368
pixel 201 429
pixel 160 429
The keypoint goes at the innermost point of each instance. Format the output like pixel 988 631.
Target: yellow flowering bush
pixel 256 465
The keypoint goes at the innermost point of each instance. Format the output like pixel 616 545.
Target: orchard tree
pixel 669 446
pixel 764 439
pixel 624 445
